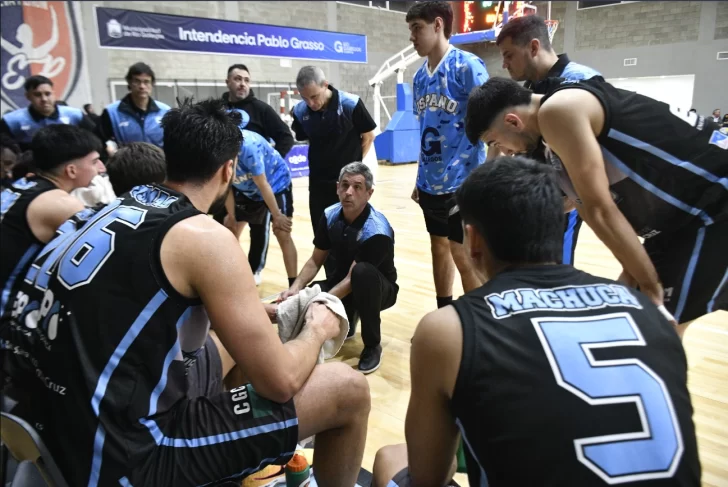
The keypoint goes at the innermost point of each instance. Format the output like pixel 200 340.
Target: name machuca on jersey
pixel 566 298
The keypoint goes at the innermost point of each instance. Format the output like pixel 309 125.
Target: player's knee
pixel 439 245
pixel 282 235
pixel 387 462
pixel 459 255
pixel 362 274
pixel 353 390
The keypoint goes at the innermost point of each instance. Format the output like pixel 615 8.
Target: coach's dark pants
pixel 321 195
pixel 371 293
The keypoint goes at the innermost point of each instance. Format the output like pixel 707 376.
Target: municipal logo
pixel 38 38
pixel 113 29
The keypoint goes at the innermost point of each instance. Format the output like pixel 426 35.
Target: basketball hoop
pixel 552 26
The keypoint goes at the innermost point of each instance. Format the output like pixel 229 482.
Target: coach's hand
pixel 291 291
pixel 416 195
pixel 321 317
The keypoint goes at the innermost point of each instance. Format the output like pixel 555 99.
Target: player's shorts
pixel 223 437
pixel 693 266
pixel 402 479
pixel 437 209
pixel 252 211
pixel 204 376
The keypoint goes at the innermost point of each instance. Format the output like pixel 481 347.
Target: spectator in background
pixel 725 120
pixel 716 115
pixel 264 120
pixel 137 116
pixel 90 113
pixel 22 124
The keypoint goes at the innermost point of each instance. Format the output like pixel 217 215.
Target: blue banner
pixel 129 29
pixel 297 159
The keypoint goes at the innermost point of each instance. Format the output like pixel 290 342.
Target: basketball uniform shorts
pixel 692 264
pixel 223 437
pixel 402 479
pixel 252 211
pixel 441 216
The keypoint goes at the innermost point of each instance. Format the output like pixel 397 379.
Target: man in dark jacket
pixel 265 121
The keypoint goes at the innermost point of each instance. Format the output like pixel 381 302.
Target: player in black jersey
pixel 31 210
pixel 632 167
pixel 109 318
pixel 553 377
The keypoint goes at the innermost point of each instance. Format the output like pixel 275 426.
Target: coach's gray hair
pixel 308 75
pixel 358 169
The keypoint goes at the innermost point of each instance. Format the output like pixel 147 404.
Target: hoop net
pixel 552 26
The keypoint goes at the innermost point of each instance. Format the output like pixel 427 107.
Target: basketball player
pixel 529 56
pixel 65 158
pixel 261 188
pixel 24 123
pixel 551 376
pixel 633 168
pixel 441 87
pixel 136 164
pixel 115 305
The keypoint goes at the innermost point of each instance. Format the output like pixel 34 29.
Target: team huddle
pixel 134 340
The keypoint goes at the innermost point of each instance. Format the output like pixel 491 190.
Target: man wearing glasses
pixel 136 117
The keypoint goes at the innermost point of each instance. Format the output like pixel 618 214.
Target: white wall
pixel 676 91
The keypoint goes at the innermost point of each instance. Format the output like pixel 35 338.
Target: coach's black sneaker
pixel 370 359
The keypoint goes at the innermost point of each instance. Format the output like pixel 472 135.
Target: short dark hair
pixel 85 107
pixel 35 81
pixel 55 145
pixel 487 101
pixel 522 30
pixel 135 164
pixel 517 206
pixel 139 68
pixel 7 142
pixel 199 139
pixel 429 11
pixel 23 165
pixel 238 66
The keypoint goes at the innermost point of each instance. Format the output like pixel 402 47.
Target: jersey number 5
pixel 652 453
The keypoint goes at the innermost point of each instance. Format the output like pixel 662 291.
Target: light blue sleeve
pixel 475 75
pixel 254 159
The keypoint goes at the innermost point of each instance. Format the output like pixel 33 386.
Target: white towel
pixel 292 315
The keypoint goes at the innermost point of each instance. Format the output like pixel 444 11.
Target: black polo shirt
pixel 369 238
pixel 334 133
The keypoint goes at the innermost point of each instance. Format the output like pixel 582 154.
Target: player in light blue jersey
pixel 263 182
pixel 441 89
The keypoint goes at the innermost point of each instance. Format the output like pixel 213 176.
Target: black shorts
pixel 204 376
pixel 693 267
pixel 402 479
pixel 226 436
pixel 441 216
pixel 251 211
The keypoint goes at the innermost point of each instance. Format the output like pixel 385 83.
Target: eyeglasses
pixel 141 82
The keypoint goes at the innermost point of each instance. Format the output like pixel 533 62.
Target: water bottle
pixel 298 472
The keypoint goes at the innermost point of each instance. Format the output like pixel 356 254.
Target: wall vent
pixel 632 61
pixel 722 56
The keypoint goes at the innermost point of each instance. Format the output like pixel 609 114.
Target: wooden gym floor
pixel 706 341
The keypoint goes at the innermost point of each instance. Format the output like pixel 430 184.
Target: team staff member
pixel 24 123
pixel 362 241
pixel 339 130
pixel 538 370
pixel 136 117
pixel 528 56
pixel 264 121
pixel 633 167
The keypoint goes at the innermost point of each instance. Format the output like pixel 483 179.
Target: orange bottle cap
pixel 297 464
